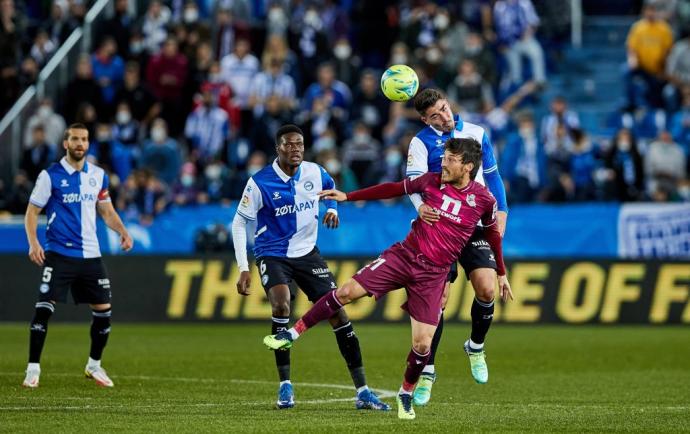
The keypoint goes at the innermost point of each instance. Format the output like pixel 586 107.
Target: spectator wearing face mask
pixel 161 154
pixel 369 105
pixel 665 164
pixel 310 42
pixel 189 189
pixel 39 155
pixel 469 89
pixel 142 103
pixel 207 129
pixel 625 176
pixel 346 64
pixel 217 182
pixel 272 81
pixel 265 127
pixel 108 71
pixel 125 128
pixel 53 123
pixel 238 69
pixel 361 154
pixel 143 197
pixel 344 179
pixel 523 162
pixel 333 93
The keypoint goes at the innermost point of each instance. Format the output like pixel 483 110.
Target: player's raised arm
pixel 386 190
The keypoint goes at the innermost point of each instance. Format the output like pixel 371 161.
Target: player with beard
pixel 71 191
pixel 422 261
pixel 283 199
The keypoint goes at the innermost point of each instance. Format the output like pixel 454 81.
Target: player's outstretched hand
pixel 428 214
pixel 331 220
pixel 36 254
pixel 126 242
pixel 336 195
pixel 504 288
pixel 244 282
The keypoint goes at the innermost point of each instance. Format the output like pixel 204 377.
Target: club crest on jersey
pixel 276 195
pixel 309 186
pixel 471 200
pixel 64 183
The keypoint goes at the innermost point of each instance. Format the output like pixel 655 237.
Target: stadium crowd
pixel 182 99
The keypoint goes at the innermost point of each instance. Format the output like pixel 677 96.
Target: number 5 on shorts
pixel 47 274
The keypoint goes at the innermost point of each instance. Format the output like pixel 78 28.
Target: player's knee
pixel 344 293
pixel 485 293
pixel 281 308
pixel 484 286
pixel 422 345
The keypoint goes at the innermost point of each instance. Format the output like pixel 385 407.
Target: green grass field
pixel 219 378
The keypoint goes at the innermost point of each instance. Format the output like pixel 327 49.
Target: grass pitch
pixel 219 378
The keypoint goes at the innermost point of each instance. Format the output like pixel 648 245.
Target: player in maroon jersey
pixel 421 262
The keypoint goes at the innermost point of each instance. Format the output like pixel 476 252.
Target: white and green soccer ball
pixel 399 83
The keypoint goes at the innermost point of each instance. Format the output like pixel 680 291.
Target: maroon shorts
pixel 400 267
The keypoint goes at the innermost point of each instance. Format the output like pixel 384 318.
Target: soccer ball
pixel 399 83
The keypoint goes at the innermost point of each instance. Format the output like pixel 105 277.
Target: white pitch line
pixel 381 392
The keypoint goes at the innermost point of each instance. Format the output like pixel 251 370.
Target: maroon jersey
pixel 460 210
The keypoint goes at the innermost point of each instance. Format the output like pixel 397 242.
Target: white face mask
pixel 213 171
pixel 123 117
pixel 312 19
pixel 333 166
pixel 253 170
pixel 399 59
pixel 187 180
pixel 393 159
pixel 342 51
pixel 158 135
pixel 441 21
pixel 624 145
pixel 434 56
pixel 44 111
pixel 526 132
pixel 191 15
pixel 276 16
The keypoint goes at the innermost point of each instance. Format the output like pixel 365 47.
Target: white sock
pixel 33 367
pixel 285 382
pixel 93 363
pixel 362 389
pixel 429 369
pixel 293 333
pixel 403 392
pixel 476 346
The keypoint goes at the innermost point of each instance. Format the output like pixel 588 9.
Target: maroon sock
pixel 323 309
pixel 415 363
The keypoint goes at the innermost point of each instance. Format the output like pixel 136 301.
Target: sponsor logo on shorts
pixel 309 186
pixel 105 283
pixel 492 258
pixel 264 279
pixel 320 271
pixel 480 243
pixel 44 288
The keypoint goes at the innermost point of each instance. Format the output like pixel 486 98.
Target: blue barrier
pixel 566 231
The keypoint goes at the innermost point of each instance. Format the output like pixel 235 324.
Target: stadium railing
pixel 52 79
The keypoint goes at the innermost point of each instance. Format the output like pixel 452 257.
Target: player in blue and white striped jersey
pixel 283 199
pixel 478 261
pixel 71 192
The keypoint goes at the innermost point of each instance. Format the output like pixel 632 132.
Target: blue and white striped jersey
pixel 286 209
pixel 427 148
pixel 69 198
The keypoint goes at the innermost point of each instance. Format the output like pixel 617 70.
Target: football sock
pixel 429 369
pixel 100 330
pixel 415 364
pixel 39 329
pixel 434 343
pixel 349 348
pixel 279 324
pixel 482 315
pixel 323 309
